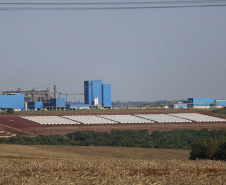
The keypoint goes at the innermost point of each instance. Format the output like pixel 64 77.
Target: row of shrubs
pixel 203 143
pixel 175 139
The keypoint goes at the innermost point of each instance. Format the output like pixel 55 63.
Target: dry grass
pixel 104 165
pixel 63 152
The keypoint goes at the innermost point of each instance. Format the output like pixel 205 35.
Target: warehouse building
pixel 200 103
pixel 13 101
pixel 220 103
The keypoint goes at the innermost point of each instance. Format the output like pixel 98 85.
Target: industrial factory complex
pixel 199 103
pixel 96 95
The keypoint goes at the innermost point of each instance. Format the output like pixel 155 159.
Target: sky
pixel 145 54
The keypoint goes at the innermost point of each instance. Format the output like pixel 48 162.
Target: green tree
pixel 10 111
pixel 221 152
pixel 208 149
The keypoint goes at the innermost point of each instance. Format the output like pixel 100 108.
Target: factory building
pixel 32 95
pixel 13 101
pixel 200 103
pixel 36 105
pixel 97 94
pixel 179 106
pixel 93 90
pixel 56 104
pixel 106 95
pixel 220 103
pixel 78 106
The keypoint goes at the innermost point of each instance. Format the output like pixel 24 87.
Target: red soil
pixel 20 126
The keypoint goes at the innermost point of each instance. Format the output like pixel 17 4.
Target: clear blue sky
pixel 146 54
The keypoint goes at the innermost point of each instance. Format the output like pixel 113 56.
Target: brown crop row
pixel 102 165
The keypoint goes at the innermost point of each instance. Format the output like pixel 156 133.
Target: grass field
pixel 104 165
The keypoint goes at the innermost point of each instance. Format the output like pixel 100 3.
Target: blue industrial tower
pixel 106 95
pixel 97 92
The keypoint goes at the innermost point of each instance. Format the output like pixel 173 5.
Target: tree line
pixel 204 144
pixel 175 139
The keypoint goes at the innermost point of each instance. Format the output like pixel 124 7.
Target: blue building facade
pixel 14 101
pixel 35 105
pixel 97 90
pixel 106 95
pixel 88 92
pixel 55 104
pixel 221 103
pixel 200 102
pixel 178 106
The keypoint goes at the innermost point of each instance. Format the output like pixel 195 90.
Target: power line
pixel 117 3
pixel 112 8
pixel 77 6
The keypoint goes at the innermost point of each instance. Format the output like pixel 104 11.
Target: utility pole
pixel 54 90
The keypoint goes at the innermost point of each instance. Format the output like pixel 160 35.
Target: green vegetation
pixel 10 111
pixel 219 111
pixel 176 139
pixel 209 149
pixel 124 138
pixel 183 139
pixel 39 140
